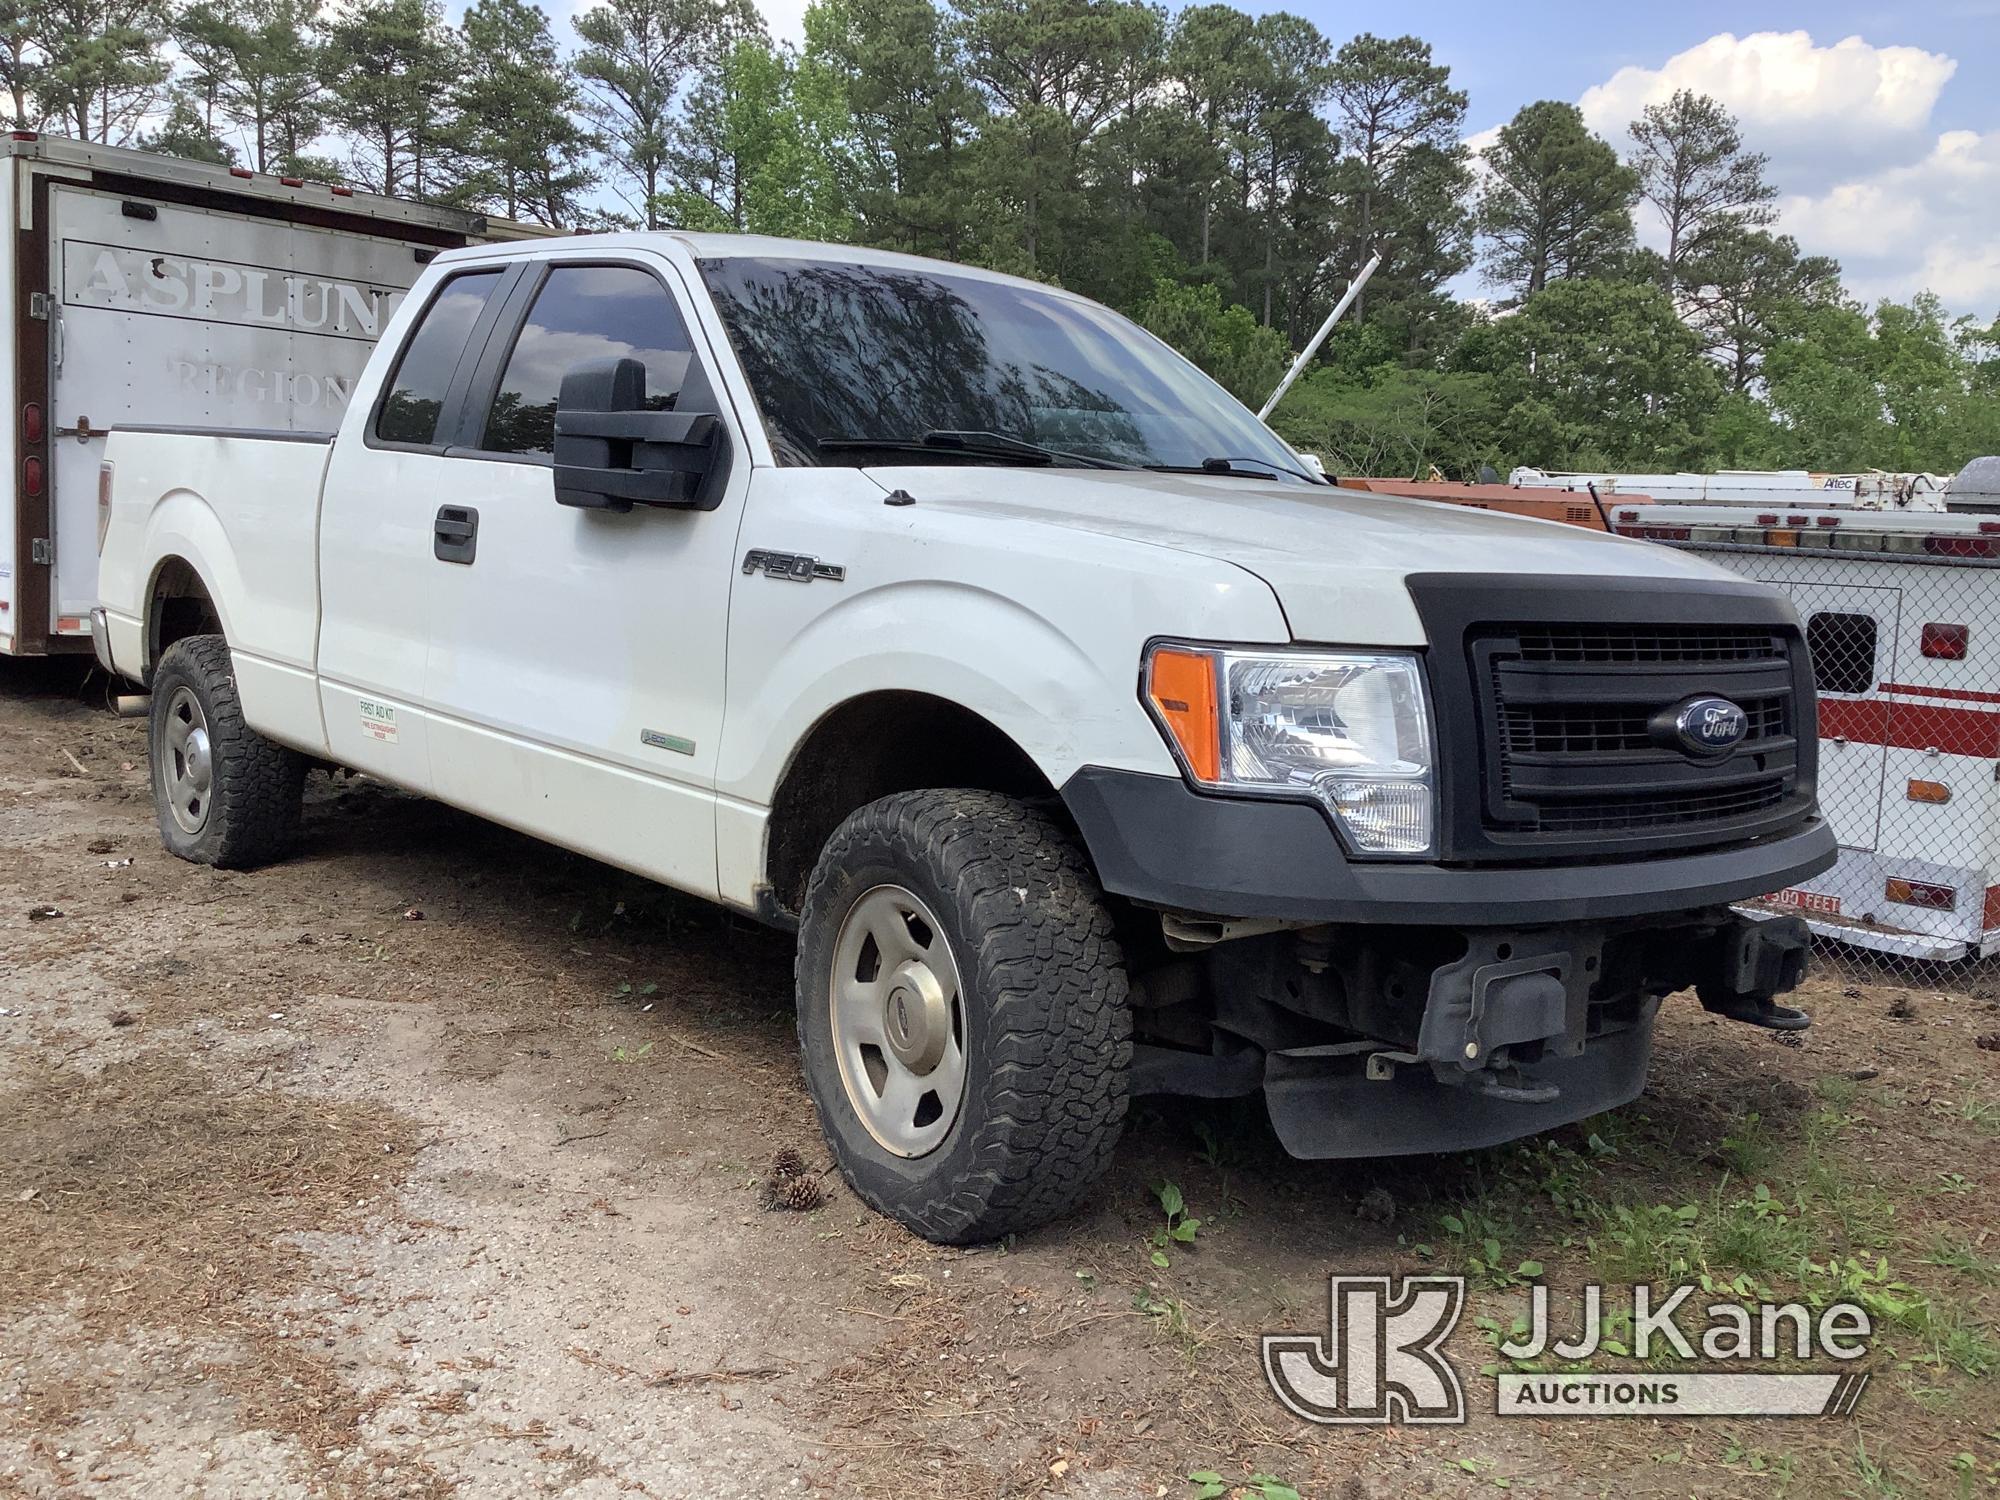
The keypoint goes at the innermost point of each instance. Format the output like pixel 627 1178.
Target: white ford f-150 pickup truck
pixel 1092 743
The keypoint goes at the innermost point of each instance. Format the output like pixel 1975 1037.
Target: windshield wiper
pixel 1228 467
pixel 978 444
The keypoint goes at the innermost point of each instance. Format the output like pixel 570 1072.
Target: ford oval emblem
pixel 1710 726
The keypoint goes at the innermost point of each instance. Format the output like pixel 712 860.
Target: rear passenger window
pixel 581 313
pixel 1843 652
pixel 411 410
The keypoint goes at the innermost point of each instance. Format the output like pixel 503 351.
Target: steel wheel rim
pixel 898 1021
pixel 187 764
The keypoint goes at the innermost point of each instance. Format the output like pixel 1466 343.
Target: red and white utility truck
pixel 1901 607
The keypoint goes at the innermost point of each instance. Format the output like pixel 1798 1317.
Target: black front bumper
pixel 1156 840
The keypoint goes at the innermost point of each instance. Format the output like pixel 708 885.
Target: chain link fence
pixel 1905 648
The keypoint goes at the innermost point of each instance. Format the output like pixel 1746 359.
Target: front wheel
pixel 962 1013
pixel 224 794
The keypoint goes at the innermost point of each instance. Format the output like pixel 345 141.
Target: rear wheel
pixel 224 794
pixel 962 1013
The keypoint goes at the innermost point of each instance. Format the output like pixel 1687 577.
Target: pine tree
pixel 1557 201
pixel 1691 165
pixel 101 68
pixel 916 119
pixel 635 57
pixel 392 67
pixel 1392 103
pixel 259 65
pixel 528 156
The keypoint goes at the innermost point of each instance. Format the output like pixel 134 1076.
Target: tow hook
pixel 1758 1010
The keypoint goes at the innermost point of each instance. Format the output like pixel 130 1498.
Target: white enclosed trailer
pixel 144 290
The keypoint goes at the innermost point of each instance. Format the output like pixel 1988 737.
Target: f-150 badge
pixel 795 566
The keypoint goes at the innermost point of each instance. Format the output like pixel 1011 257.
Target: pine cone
pixel 799 1195
pixel 788 1163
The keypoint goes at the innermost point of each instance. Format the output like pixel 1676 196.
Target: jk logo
pixel 1380 1361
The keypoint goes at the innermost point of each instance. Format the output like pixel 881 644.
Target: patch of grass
pixel 1952 1251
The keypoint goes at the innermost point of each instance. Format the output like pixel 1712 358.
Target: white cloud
pixel 1866 176
pixel 1791 94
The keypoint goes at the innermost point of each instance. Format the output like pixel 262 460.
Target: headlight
pixel 1348 728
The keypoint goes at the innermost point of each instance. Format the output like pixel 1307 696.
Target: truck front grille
pixel 1587 728
pixel 1568 714
pixel 1676 644
pixel 1555 697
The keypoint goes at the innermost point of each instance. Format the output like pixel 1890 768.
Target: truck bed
pixel 242 510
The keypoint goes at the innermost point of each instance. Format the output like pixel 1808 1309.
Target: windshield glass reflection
pixel 838 352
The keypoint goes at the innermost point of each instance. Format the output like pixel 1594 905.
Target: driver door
pixel 575 667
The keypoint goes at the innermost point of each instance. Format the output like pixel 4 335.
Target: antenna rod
pixel 1312 344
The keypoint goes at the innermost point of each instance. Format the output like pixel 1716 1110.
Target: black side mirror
pixel 612 453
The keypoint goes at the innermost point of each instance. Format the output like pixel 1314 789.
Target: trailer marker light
pixel 342 192
pixel 1946 642
pixel 241 172
pixel 31 422
pixel 1920 893
pixel 1767 520
pixel 292 181
pixel 27 135
pixel 1827 520
pixel 1181 687
pixel 1989 527
pixel 1928 791
pixel 1797 520
pixel 31 475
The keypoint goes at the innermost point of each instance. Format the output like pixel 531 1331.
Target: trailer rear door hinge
pixel 42 550
pixel 38 305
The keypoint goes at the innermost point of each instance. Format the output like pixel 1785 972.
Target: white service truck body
pixel 144 289
pixel 1091 742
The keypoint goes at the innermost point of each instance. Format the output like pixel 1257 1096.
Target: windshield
pixel 842 357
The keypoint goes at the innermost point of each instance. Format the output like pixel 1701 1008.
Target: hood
pixel 1336 558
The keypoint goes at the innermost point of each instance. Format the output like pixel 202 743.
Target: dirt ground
pixel 426 1163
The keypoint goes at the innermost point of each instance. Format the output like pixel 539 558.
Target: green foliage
pixel 259 65
pixel 1393 421
pixel 766 148
pixel 1180 1227
pixel 185 134
pixel 1217 174
pixel 1557 202
pixel 1594 373
pixel 1691 166
pixel 392 66
pixel 1245 359
pixel 519 103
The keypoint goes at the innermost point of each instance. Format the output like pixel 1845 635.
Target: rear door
pixel 175 315
pixel 378 534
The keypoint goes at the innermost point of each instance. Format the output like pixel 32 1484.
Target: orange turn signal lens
pixel 1920 893
pixel 1928 791
pixel 1180 685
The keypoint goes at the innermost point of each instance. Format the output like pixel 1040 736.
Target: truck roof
pixel 239 182
pixel 704 246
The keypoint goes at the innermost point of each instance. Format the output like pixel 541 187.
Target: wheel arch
pixel 179 603
pixel 871 746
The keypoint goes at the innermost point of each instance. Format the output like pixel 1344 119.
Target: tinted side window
pixel 586 312
pixel 417 390
pixel 1843 652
